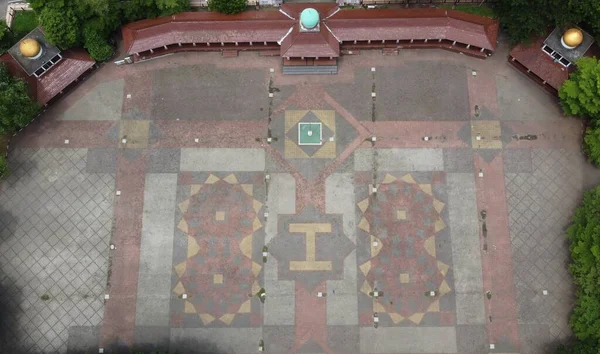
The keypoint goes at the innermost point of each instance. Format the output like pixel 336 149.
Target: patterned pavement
pixel 280 222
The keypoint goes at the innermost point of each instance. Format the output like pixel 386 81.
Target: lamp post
pixel 309 129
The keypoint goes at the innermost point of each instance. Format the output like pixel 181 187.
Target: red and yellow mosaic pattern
pixel 403 264
pixel 219 277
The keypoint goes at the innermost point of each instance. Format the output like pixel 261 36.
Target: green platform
pixel 313 139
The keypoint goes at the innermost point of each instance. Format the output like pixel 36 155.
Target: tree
pixel 61 26
pixel 580 95
pixel 227 6
pixel 96 45
pixel 591 144
pixel 16 107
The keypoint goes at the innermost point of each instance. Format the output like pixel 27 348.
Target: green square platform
pixel 305 139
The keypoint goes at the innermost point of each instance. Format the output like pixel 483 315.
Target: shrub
pixel 96 45
pixel 584 244
pixel 3 166
pixel 580 94
pixel 591 145
pixel 24 22
pixel 17 109
pixel 227 6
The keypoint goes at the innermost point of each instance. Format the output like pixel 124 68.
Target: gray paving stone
pixel 152 338
pixel 222 159
pixel 408 340
pixel 517 161
pixel 101 160
pixel 399 160
pixel 458 160
pixel 83 339
pixel 472 339
pixel 163 160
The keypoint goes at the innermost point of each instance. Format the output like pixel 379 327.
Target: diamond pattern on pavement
pixel 55 227
pixel 540 206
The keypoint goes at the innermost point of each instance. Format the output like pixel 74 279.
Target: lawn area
pixel 24 22
pixel 472 9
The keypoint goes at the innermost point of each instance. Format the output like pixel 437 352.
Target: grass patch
pixel 484 11
pixel 24 22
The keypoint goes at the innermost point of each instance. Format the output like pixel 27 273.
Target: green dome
pixel 309 18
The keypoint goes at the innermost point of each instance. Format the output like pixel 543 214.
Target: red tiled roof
pixel 75 63
pixel 421 24
pixel 345 25
pixel 540 63
pixel 320 44
pixel 205 27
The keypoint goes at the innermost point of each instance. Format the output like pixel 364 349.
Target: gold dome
pixel 29 48
pixel 573 37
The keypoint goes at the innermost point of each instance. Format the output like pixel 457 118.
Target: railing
pixel 12 7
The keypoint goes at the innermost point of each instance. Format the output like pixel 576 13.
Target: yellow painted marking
pixel 292 117
pixel 180 269
pixel 327 117
pixel 396 317
pixel 429 245
pixel 364 225
pixel 248 188
pixel 227 318
pixel 310 231
pixel 245 307
pixel 434 307
pixel 439 225
pixel 417 317
pixel 179 289
pixel 363 205
pixel 365 288
pixel 256 268
pixel 212 179
pixel 255 288
pixel 256 205
pixel 375 249
pixel 490 132
pixel 404 278
pixel 193 247
pixel 438 206
pixel 231 179
pixel 183 206
pixel 136 131
pixel 444 288
pixel 217 278
pixel 256 224
pixel 401 214
pixel 426 188
pixel 408 179
pixel 206 318
pixel 246 246
pixel 327 151
pixel 220 215
pixel 293 151
pixel 183 226
pixel 389 178
pixel 377 306
pixel 189 307
pixel 443 267
pixel 365 267
pixel 195 188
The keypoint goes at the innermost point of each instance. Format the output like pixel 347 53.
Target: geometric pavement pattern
pixel 55 223
pixel 402 266
pixel 537 201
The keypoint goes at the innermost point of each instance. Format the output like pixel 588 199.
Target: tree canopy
pixel 227 6
pixel 69 23
pixel 524 18
pixel 17 109
pixel 580 94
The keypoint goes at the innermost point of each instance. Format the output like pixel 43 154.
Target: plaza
pixel 153 204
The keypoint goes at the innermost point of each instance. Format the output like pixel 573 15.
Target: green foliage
pixel 3 166
pixel 584 244
pixel 227 6
pixel 484 11
pixel 6 37
pixel 69 23
pixel 95 43
pixel 580 95
pixel 24 22
pixel 16 107
pixel 61 27
pixel 580 347
pixel 591 144
pixel 524 18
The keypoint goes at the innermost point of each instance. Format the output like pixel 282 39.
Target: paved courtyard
pixel 200 204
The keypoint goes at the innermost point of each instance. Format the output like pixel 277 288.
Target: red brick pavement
pixel 409 134
pixel 564 133
pixel 310 324
pixel 119 312
pixel 501 309
pixel 52 134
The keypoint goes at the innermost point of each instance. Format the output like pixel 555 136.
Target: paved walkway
pixel 196 166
